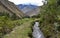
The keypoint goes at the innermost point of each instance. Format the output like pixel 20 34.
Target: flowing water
pixel 36 31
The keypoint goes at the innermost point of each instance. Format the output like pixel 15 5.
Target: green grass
pixel 21 31
pixel 24 30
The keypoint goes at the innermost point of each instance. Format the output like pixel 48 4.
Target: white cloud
pixel 36 2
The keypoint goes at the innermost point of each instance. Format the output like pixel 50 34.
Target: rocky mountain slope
pixel 29 10
pixel 9 7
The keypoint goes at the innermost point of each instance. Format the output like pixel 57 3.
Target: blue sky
pixel 35 2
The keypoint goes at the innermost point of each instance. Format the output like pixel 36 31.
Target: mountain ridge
pixel 28 5
pixel 11 8
pixel 29 9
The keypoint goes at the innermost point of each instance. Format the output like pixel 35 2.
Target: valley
pixel 18 21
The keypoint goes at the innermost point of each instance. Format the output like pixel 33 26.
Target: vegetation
pixel 50 15
pixel 49 19
pixel 7 23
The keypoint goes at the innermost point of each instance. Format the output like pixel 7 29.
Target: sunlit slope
pixel 21 31
pixel 9 7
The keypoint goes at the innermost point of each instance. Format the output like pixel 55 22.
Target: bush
pixel 58 28
pixel 7 23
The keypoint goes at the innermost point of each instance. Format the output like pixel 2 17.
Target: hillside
pixel 22 31
pixel 9 7
pixel 48 18
pixel 29 9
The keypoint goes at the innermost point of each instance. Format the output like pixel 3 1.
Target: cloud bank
pixel 35 2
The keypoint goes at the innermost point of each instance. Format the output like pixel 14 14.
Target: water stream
pixel 36 31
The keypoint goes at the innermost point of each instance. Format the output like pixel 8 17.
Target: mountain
pixel 21 6
pixel 11 8
pixel 28 9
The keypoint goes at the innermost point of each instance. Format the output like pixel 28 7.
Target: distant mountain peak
pixel 29 9
pixel 21 6
pixel 27 4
